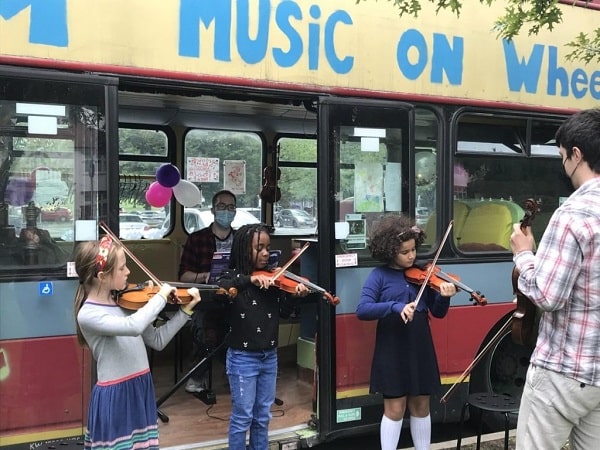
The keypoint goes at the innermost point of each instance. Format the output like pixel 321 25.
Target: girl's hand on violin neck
pixel 301 290
pixel 408 312
pixel 262 281
pixel 189 308
pixel 447 289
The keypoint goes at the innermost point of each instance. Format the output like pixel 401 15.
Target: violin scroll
pixel 231 292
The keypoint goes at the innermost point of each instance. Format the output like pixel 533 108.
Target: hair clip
pixel 414 229
pixel 104 247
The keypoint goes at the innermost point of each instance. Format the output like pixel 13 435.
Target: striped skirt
pixel 123 415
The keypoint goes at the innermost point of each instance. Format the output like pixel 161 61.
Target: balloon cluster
pixel 169 182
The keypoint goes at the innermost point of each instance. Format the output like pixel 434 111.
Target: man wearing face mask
pixel 209 324
pixel 561 396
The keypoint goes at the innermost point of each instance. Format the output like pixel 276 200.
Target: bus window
pixel 40 143
pixel 426 172
pixel 500 162
pixel 141 152
pixel 216 160
pixel 296 212
pixel 373 177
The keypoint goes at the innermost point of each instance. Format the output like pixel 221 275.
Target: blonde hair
pixel 86 267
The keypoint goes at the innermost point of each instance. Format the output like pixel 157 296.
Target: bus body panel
pixel 262 72
pixel 304 46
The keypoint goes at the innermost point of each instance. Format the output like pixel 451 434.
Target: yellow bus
pixel 345 112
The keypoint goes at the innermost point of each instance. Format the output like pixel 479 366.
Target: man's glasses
pixel 223 207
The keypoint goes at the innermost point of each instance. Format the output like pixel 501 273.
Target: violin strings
pixel 290 261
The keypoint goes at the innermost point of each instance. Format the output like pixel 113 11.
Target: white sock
pixel 420 430
pixel 389 433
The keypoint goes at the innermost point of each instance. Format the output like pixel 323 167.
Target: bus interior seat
pixel 461 211
pixel 488 226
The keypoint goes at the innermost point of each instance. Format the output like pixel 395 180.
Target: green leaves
pixel 534 15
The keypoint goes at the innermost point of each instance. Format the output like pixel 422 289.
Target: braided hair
pixel 389 234
pixel 241 248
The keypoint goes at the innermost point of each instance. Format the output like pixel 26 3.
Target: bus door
pixel 56 141
pixel 365 162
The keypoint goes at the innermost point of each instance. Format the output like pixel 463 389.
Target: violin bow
pixel 115 238
pixel 283 268
pixel 432 265
pixel 492 343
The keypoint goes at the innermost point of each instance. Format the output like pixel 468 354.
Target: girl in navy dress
pixel 404 368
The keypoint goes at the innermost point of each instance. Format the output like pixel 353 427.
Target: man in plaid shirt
pixel 209 322
pixel 561 397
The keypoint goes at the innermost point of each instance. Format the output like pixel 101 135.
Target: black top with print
pixel 254 313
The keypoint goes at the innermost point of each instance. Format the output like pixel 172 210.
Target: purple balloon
pixel 158 195
pixel 168 175
pixel 19 191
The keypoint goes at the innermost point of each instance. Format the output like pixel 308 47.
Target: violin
pixel 134 296
pixel 524 316
pixel 270 191
pixel 288 281
pixel 417 275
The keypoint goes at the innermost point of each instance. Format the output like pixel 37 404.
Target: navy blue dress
pixel 404 359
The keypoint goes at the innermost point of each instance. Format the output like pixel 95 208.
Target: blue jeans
pixel 252 378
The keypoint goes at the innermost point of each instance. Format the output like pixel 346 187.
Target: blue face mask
pixel 224 218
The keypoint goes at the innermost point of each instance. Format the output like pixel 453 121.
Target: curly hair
pixel 389 234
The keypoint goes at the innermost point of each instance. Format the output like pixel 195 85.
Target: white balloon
pixel 187 193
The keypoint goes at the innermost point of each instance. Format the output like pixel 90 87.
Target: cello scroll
pixel 524 316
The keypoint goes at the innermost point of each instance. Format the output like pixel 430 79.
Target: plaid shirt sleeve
pixel 198 252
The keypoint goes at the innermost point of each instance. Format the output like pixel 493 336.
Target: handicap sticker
pixel 46 288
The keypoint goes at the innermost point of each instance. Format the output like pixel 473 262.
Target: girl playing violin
pixel 122 412
pixel 404 368
pixel 251 362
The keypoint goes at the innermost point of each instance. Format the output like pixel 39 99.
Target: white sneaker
pixel 194 386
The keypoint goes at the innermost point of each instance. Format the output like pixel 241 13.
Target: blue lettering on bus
pixel 411 39
pixel 193 12
pixel 579 80
pixel 447 59
pixel 283 14
pixel 252 51
pixel 48 20
pixel 219 14
pixel 444 57
pixel 522 72
pixel 344 65
pixel 560 82
pixel 314 38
